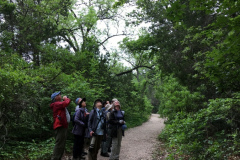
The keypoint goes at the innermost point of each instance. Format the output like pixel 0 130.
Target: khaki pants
pixel 116 145
pixel 60 136
pixel 92 155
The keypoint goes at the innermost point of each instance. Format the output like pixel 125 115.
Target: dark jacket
pixel 79 119
pixel 93 121
pixel 59 113
pixel 114 124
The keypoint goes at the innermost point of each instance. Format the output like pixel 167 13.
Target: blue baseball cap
pixel 76 101
pixel 55 94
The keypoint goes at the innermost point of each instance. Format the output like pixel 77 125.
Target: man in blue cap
pixel 60 123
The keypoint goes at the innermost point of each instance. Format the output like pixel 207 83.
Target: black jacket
pixel 114 123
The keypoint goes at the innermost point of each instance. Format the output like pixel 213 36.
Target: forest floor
pixel 141 143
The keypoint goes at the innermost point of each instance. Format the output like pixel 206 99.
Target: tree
pixel 30 24
pixel 195 48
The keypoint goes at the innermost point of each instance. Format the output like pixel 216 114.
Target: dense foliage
pixel 185 64
pixel 40 54
pixel 194 46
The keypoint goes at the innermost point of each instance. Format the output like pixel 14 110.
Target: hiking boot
pixel 105 154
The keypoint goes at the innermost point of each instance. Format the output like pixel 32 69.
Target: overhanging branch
pixel 130 70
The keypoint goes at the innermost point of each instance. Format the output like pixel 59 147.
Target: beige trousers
pixel 116 145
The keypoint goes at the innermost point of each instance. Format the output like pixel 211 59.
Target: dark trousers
pixel 60 136
pixel 78 146
pixel 106 144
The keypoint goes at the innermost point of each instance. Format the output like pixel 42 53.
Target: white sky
pixel 117 28
pixel 113 43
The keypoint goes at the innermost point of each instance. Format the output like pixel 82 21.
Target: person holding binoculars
pixel 117 127
pixel 60 124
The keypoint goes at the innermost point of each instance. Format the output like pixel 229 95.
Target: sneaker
pixel 105 154
pixel 109 150
pixel 84 153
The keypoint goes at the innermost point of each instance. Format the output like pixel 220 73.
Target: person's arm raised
pixel 66 101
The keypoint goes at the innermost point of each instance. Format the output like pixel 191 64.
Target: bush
pixel 176 99
pixel 210 133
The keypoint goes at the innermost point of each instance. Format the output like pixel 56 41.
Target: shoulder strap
pixel 98 121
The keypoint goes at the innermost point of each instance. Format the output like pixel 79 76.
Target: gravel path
pixel 140 142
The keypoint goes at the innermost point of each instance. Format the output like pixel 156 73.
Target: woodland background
pixel 184 65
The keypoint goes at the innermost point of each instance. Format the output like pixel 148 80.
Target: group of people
pixel 104 125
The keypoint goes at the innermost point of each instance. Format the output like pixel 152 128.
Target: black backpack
pixel 72 119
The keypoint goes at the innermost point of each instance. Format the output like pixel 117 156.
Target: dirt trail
pixel 140 142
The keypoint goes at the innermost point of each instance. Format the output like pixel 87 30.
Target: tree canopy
pixel 182 63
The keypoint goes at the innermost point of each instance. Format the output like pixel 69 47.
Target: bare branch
pixel 129 71
pixel 128 61
pixel 112 37
pixel 69 42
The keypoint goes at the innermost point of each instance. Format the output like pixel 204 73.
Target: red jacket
pixel 59 113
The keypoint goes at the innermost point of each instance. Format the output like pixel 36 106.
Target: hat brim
pixel 84 99
pixel 57 93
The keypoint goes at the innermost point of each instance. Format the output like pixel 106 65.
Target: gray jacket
pixel 93 121
pixel 79 127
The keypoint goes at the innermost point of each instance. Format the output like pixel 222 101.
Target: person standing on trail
pixel 79 129
pixel 106 144
pixel 117 126
pixel 105 103
pixel 60 123
pixel 97 129
pixel 87 135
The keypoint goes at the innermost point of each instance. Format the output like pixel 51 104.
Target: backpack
pixel 72 119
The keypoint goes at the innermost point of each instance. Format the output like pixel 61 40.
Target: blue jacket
pixel 79 127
